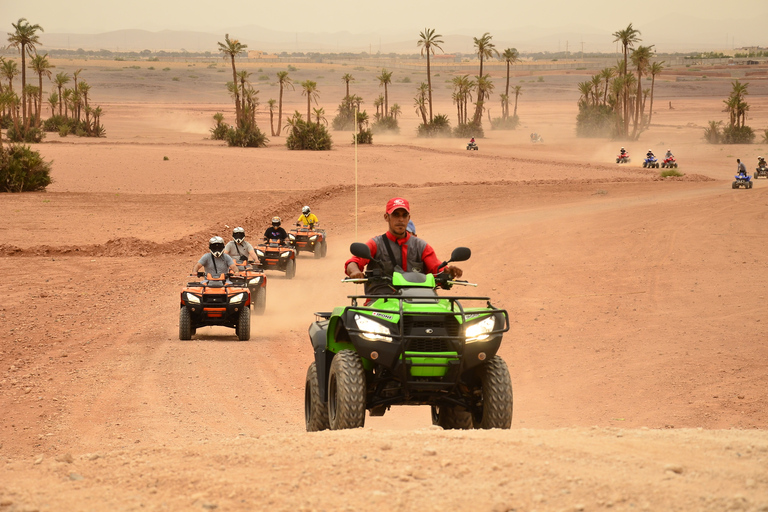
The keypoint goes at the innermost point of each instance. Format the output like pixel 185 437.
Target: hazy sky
pixel 447 16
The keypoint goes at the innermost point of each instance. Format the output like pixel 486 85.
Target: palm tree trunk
pixel 309 110
pixel 429 86
pixel 505 114
pixel 386 102
pixel 23 83
pixel 40 100
pixel 516 95
pixel 234 82
pixel 650 111
pixel 280 111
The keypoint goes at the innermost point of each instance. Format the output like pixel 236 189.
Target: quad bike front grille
pixel 302 238
pixel 430 334
pixel 214 299
pixel 421 324
pixel 428 345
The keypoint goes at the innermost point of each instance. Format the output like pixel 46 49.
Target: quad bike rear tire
pixel 318 251
pixel 346 391
pixel 315 411
pixel 185 324
pixel 290 269
pixel 260 302
pixel 749 184
pixel 243 328
pixel 497 395
pixel 451 418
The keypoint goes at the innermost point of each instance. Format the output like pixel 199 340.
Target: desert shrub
pixel 64 130
pixel 263 77
pixel 292 68
pixel 765 136
pixel 509 123
pixel 31 134
pixel 23 170
pixel 6 122
pixel 439 127
pixel 712 132
pixel 385 124
pixel 308 136
pixel 246 134
pixel 219 131
pixel 363 137
pixel 54 123
pixel 738 135
pixel 670 172
pixel 345 119
pixel 467 130
pixel 596 121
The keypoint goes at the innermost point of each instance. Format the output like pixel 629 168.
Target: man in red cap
pixel 397 248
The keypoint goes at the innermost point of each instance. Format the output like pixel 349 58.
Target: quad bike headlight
pixel 240 297
pixel 192 299
pixel 285 254
pixel 255 280
pixel 291 237
pixel 313 238
pixel 259 253
pixel 479 331
pixel 373 331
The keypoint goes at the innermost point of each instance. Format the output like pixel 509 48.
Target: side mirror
pixel 360 250
pixel 461 254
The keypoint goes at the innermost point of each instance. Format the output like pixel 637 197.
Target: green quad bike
pixel 410 348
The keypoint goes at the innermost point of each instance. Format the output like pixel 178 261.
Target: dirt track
pixel 637 349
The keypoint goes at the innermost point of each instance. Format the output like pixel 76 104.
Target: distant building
pixel 258 54
pixel 445 57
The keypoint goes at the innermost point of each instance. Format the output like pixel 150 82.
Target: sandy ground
pixel 637 347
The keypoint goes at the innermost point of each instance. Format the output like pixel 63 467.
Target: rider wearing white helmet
pixel 238 248
pixel 215 262
pixel 275 232
pixel 307 218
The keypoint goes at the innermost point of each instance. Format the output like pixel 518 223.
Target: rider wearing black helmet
pixel 238 248
pixel 275 231
pixel 215 262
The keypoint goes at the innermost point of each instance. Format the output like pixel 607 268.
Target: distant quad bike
pixel 276 256
pixel 472 146
pixel 308 239
pixel 255 279
pixel 669 163
pixel 411 348
pixel 622 159
pixel 742 180
pixel 651 162
pixel 761 171
pixel 215 301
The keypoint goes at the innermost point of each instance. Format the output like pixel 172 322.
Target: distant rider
pixel 238 248
pixel 761 162
pixel 742 169
pixel 215 262
pixel 307 218
pixel 669 154
pixel 396 248
pixel 623 153
pixel 275 232
pixel 411 228
pixel 472 141
pixel 649 154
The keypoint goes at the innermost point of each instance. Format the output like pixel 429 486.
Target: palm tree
pixel 232 48
pixel 292 123
pixel 25 40
pixel 320 115
pixel 485 49
pixel 310 91
pixel 641 58
pixel 362 121
pixel 606 74
pixel 462 95
pixel 628 37
pixel 347 78
pixel 97 113
pixel 484 89
pixel 510 56
pixel 53 101
pixel 585 88
pixel 284 81
pixel 272 104
pixel 41 66
pixel 243 79
pixel 395 110
pixel 61 80
pixel 385 78
pixel 377 103
pixel 518 88
pixel 420 102
pixel 654 70
pixel 429 41
pixel 9 71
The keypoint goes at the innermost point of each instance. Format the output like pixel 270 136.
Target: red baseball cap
pixel 398 202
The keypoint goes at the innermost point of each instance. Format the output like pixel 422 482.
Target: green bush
pixel 364 137
pixel 712 132
pixel 596 121
pixel 246 135
pixel 765 137
pixel 468 130
pixel 6 122
pixel 738 135
pixel 54 123
pixel 32 134
pixel 64 130
pixel 439 127
pixel 23 170
pixel 219 132
pixel 510 123
pixel 308 136
pixel 385 124
pixel 345 119
pixel 670 172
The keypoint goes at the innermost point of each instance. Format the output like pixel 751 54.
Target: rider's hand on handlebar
pixel 200 273
pixel 454 272
pixel 356 275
